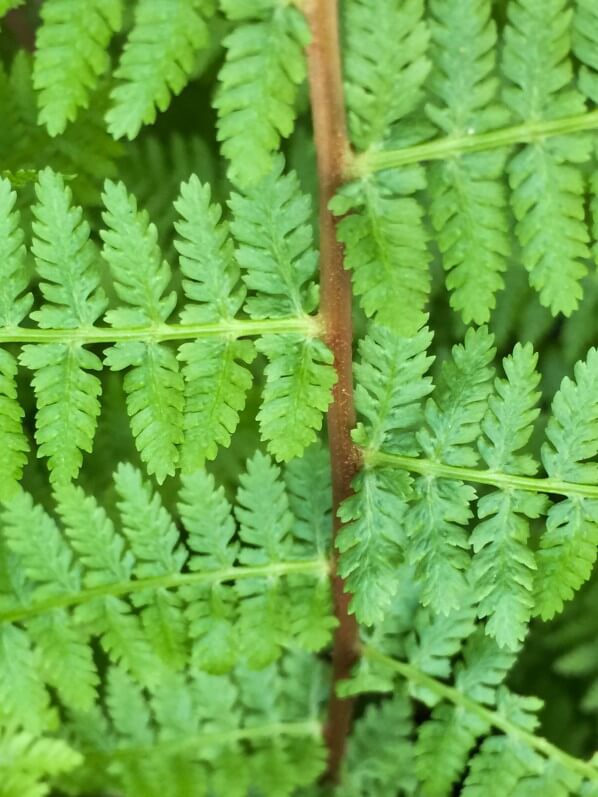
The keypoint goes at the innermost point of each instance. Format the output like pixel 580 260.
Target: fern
pixel 384 233
pixel 258 84
pixel 568 549
pixel 71 57
pixel 156 62
pixel 68 404
pixel 201 590
pixel 546 176
pixel 468 199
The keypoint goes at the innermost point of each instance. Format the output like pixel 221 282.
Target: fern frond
pixel 275 251
pixel 310 497
pixel 154 385
pixel 380 756
pixel 275 245
pixel 445 741
pixel 264 528
pixel 391 383
pixel 25 701
pixel 67 394
pixel 265 64
pixel 71 55
pixel 585 40
pixel 372 540
pixel 212 610
pixel 435 522
pixel 503 566
pixel 386 246
pixel 157 61
pixel 467 193
pixel 546 180
pixel 569 546
pixel 216 381
pixel 14 306
pixel 154 542
pixel 298 390
pixel 385 66
pixel 27 762
pixel 384 235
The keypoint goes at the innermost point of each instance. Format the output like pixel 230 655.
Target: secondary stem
pixel 493 718
pixel 504 481
pixel 328 114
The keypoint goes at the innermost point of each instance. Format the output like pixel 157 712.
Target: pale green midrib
pixel 316 567
pixel 504 481
pixel 368 162
pixel 543 746
pixel 233 328
pixel 195 741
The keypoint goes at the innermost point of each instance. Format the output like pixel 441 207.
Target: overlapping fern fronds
pixel 414 501
pixel 177 417
pixel 489 117
pixel 152 602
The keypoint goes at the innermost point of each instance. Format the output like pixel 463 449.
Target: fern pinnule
pixel 14 306
pixel 503 566
pixel 468 197
pixel 157 60
pixel 545 177
pixel 258 83
pixel 67 394
pixel 71 55
pixel 154 385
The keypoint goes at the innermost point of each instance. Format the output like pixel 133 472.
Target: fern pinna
pixel 201 591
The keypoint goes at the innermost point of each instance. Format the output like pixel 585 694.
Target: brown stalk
pixel 332 147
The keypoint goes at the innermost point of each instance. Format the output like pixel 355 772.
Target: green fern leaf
pixel 384 236
pixel 265 63
pixel 275 246
pixel 14 306
pixel 264 528
pixel 67 394
pixel 71 55
pixel 371 540
pixel 105 560
pixel 385 66
pixel 385 246
pixel 435 522
pixel 380 756
pixel 468 196
pixel 28 761
pixel 585 39
pixel 271 226
pixel 569 546
pixel 445 741
pixel 154 385
pixel 391 384
pixel 212 610
pixel 216 382
pixel 546 181
pixel 25 701
pixel 158 58
pixel 154 541
pixel 298 390
pixel 503 566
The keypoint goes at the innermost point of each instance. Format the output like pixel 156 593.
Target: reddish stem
pixel 328 113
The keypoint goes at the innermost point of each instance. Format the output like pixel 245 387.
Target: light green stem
pixel 309 326
pixel 314 567
pixel 504 481
pixel 493 718
pixel 450 146
pixel 201 741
